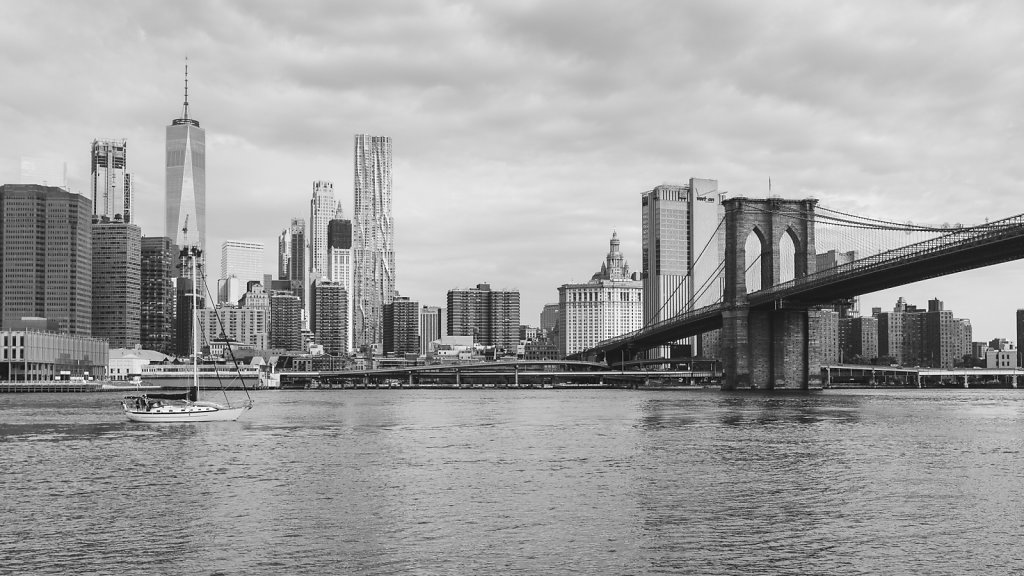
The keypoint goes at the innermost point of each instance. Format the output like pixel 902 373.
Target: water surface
pixel 519 482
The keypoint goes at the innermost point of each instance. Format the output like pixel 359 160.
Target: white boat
pixel 184 406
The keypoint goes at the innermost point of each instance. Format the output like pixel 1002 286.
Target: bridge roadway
pixel 544 373
pixel 960 250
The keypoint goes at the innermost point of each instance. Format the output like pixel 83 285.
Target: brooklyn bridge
pixel 767 321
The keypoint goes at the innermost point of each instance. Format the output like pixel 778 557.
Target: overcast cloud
pixel 524 132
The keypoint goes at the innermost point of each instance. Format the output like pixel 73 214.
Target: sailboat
pixel 184 406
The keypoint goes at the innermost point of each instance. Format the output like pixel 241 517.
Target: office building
pixel 433 325
pixel 401 327
pixel 549 318
pixel 322 209
pixel 46 256
pixel 683 245
pixel 373 252
pixel 339 265
pixel 110 181
pixel 184 297
pixel 30 355
pixel 609 305
pixel 244 326
pixel 116 281
pixel 158 271
pixel 186 179
pixel 329 301
pixel 241 261
pixel 491 317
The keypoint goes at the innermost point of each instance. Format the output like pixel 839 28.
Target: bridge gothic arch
pixel 781 339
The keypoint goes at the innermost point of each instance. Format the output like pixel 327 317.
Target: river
pixel 519 482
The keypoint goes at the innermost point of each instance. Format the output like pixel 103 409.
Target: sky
pixel 524 132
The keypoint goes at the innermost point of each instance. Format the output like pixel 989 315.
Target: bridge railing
pixel 972 236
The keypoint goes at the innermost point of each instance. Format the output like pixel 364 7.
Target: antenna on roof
pixel 185 112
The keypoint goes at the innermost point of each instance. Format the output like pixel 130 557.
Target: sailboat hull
pixel 188 413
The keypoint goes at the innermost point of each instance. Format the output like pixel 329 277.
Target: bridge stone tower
pixel 775 345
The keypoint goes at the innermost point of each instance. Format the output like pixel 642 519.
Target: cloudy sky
pixel 524 132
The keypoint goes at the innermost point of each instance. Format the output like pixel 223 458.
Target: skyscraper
pixel 116 281
pixel 297 250
pixel 159 268
pixel 683 245
pixel 372 238
pixel 110 181
pixel 322 209
pixel 339 266
pixel 184 298
pixel 46 257
pixel 242 261
pixel 186 179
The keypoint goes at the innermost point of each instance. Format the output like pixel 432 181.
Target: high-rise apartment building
pixel 610 305
pixel 285 321
pixel 116 282
pixel 372 238
pixel 329 301
pixel 683 245
pixel 401 326
pixel 158 269
pixel 242 261
pixel 858 339
pixel 491 317
pixel 433 325
pixel 186 179
pixel 915 337
pixel 110 181
pixel 46 256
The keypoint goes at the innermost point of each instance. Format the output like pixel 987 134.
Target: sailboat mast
pixel 195 324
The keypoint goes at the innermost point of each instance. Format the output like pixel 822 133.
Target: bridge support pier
pixel 784 342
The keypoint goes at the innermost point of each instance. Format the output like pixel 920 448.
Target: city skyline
pixel 513 159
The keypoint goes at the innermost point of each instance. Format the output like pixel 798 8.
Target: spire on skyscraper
pixel 184 112
pixel 184 109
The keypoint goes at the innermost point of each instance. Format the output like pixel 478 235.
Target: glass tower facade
pixel 683 245
pixel 186 179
